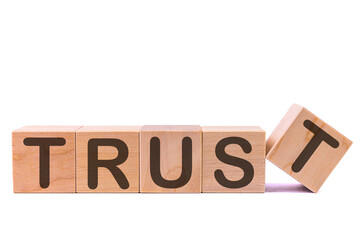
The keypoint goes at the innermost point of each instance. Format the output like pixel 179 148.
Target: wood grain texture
pixel 106 181
pixel 283 126
pixel 212 136
pixel 26 159
pixel 289 139
pixel 171 138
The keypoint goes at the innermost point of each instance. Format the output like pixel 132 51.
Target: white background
pixel 181 62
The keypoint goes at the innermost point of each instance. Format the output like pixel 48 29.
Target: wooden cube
pixel 233 159
pixel 170 159
pixel 44 159
pixel 107 159
pixel 306 147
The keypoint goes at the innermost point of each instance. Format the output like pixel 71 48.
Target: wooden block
pixel 44 159
pixel 107 159
pixel 306 147
pixel 170 159
pixel 233 159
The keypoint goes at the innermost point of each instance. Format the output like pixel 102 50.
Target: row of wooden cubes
pixel 173 158
pixel 134 158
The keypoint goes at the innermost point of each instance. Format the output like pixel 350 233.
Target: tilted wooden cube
pixel 306 147
pixel 170 159
pixel 233 159
pixel 44 159
pixel 107 159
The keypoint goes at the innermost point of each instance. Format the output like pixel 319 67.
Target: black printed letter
pixel 319 136
pixel 234 161
pixel 155 164
pixel 94 163
pixel 44 154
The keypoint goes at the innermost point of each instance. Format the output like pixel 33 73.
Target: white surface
pixel 181 62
